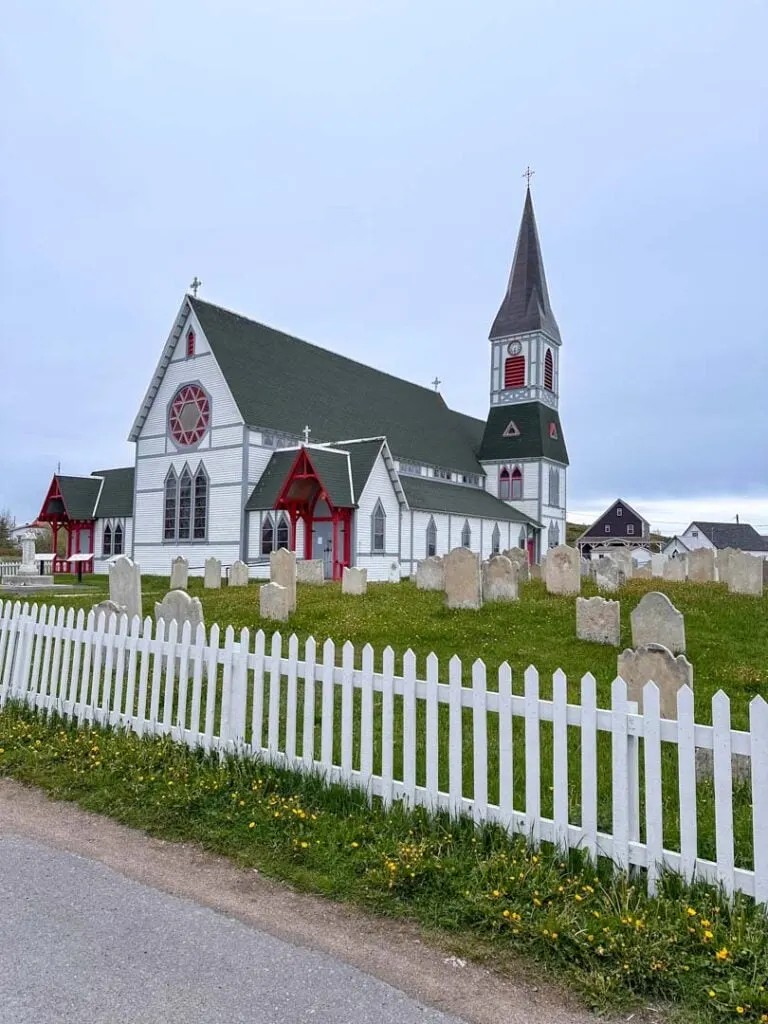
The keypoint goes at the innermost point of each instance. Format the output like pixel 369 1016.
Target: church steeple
pixel 525 307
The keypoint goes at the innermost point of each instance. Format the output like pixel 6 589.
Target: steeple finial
pixel 525 307
pixel 528 173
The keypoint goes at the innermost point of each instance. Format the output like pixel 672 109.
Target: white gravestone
pixel 109 608
pixel 598 621
pixel 655 620
pixel 655 663
pixel 238 574
pixel 519 558
pixel 499 579
pixel 535 571
pixel 430 574
pixel 354 581
pixel 701 565
pixel 125 585
pixel 562 570
pixel 28 565
pixel 623 560
pixel 179 573
pixel 212 576
pixel 310 570
pixel 723 561
pixel 274 602
pixel 178 606
pixel 584 568
pixel 675 569
pixel 745 575
pixel 463 587
pixel 642 572
pixel 606 574
pixel 658 562
pixel 282 570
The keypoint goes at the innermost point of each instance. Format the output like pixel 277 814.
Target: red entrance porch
pixel 79 529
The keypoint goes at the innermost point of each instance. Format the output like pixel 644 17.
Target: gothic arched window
pixel 117 546
pixel 466 535
pixel 201 504
pixel 554 487
pixel 267 535
pixel 106 547
pixel 549 371
pixel 170 508
pixel 554 534
pixel 496 540
pixel 378 528
pixel 431 537
pixel 185 504
pixel 516 484
pixel 283 532
pixel 505 492
pixel 514 372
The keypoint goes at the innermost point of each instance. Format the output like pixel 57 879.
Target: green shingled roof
pixel 281 382
pixel 333 469
pixel 432 495
pixel 362 456
pixel 116 498
pixel 79 494
pixel 264 494
pixel 533 439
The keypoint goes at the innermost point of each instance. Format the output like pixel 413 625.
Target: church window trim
pixel 466 535
pixel 184 522
pixel 549 370
pixel 553 534
pixel 190 341
pixel 117 539
pixel 283 532
pixel 378 528
pixel 170 505
pixel 267 535
pixel 553 430
pixel 496 540
pixel 106 546
pixel 189 415
pixel 201 492
pixel 514 372
pixel 431 537
pixel 516 484
pixel 554 487
pixel 505 484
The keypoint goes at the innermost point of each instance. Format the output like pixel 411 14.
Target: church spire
pixel 525 307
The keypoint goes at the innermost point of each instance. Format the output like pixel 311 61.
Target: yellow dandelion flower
pixel 705 923
pixel 354 845
pixel 691 912
pixel 739 1009
pixel 707 936
pixel 304 846
pixel 496 893
pixel 722 954
pixel 252 824
pixel 505 913
pixel 578 898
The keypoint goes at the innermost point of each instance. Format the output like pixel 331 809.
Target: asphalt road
pixel 79 942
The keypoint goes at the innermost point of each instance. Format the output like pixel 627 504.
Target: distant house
pixel 619 526
pixel 741 536
pixel 675 547
pixel 18 531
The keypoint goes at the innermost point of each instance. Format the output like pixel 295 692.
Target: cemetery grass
pixel 476 892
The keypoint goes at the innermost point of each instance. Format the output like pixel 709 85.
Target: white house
pixel 717 536
pixel 249 439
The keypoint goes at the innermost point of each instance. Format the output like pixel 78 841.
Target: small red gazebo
pixel 70 505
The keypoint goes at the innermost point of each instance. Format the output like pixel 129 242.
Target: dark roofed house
pixel 620 526
pixel 740 536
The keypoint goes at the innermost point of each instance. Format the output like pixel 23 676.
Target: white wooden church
pixel 249 440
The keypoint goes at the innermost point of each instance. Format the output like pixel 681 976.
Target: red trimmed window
pixel 517 484
pixel 514 372
pixel 504 485
pixel 190 342
pixel 553 430
pixel 549 371
pixel 189 415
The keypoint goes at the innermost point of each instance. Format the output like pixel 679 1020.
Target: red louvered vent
pixel 514 372
pixel 549 371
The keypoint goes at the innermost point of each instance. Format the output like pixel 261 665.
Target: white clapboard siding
pixel 305 714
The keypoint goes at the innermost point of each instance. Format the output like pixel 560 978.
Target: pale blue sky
pixel 351 172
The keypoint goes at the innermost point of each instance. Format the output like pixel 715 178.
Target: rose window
pixel 190 414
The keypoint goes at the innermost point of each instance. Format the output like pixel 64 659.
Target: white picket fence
pixel 9 568
pixel 239 698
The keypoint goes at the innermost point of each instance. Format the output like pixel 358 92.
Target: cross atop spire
pixel 525 307
pixel 196 283
pixel 528 173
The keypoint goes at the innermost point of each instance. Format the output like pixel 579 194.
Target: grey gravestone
pixel 394 572
pixel 584 568
pixel 723 561
pixel 519 557
pixel 238 574
pixel 109 608
pixel 675 569
pixel 536 573
pixel 643 572
pixel 701 565
pixel 606 574
pixel 745 574
pixel 741 766
pixel 178 606
pixel 430 574
pixel 657 564
pixel 125 585
pixel 274 602
pixel 282 570
pixel 463 588
pixel 179 573
pixel 655 620
pixel 499 579
pixel 212 578
pixel 354 581
pixel 623 560
pixel 562 570
pixel 310 570
pixel 655 663
pixel 598 620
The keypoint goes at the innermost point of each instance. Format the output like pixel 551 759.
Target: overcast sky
pixel 350 172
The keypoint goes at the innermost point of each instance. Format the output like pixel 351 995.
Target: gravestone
pixel 598 620
pixel 394 572
pixel 658 561
pixel 765 572
pixel 701 565
pixel 125 585
pixel 179 573
pixel 238 574
pixel 584 568
pixel 109 608
pixel 274 602
pixel 178 606
pixel 212 577
pixel 519 558
pixel 536 573
pixel 655 620
pixel 723 561
pixel 354 581
pixel 430 574
pixel 499 579
pixel 310 570
pixel 643 572
pixel 606 575
pixel 282 570
pixel 562 570
pixel 675 569
pixel 745 574
pixel 655 663
pixel 463 585
pixel 623 560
